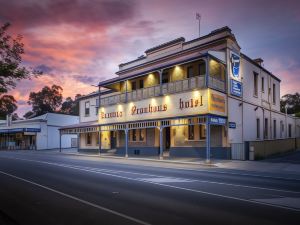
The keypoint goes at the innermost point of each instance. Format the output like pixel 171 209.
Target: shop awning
pixel 19 130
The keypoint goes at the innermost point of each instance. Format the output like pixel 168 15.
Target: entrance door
pixel 168 138
pixel 113 139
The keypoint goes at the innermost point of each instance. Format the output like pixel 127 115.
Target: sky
pixel 77 43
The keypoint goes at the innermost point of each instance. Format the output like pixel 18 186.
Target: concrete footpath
pixel 289 163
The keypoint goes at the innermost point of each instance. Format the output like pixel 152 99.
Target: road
pixel 52 188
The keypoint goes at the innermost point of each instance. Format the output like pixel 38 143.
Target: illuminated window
pixel 191 133
pixel 202 131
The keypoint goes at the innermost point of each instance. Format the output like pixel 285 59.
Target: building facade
pixel 38 133
pixel 201 98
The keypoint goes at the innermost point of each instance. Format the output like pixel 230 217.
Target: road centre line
pixel 146 174
pixel 78 199
pixel 175 187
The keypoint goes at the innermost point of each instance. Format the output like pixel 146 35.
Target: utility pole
pixel 198 17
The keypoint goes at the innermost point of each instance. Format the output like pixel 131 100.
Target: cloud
pixel 44 68
pixel 85 79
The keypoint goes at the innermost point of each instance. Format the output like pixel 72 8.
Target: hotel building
pixel 200 98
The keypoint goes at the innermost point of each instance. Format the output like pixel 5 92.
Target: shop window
pixel 190 71
pixel 191 131
pixel 266 129
pixel 137 135
pixel 202 131
pixel 255 83
pixel 290 130
pixel 258 128
pixel 88 139
pixel 274 129
pixel 87 108
pixel 202 68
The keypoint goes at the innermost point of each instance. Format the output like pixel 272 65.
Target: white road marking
pixel 156 176
pixel 78 199
pixel 288 202
pixel 165 180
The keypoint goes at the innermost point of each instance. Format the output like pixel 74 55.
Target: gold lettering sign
pixel 217 102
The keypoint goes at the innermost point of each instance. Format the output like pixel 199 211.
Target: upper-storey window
pixel 87 108
pixel 262 84
pixel 255 83
pixel 133 85
pixel 165 77
pixel 141 82
pixel 274 94
pixel 216 70
pixel 202 68
pixel 190 71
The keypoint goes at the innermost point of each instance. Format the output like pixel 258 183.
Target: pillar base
pixel 208 161
pixel 126 156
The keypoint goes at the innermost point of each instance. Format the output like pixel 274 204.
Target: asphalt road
pixel 50 188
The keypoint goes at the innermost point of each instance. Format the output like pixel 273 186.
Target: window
pixel 133 85
pixel 165 77
pixel 274 129
pixel 290 130
pixel 191 133
pixel 97 106
pixel 262 84
pixel 216 70
pixel 281 129
pixel 87 109
pixel 274 94
pixel 190 71
pixel 266 128
pixel 255 82
pixel 258 128
pixel 202 131
pixel 141 83
pixel 202 68
pixel 138 135
pixel 88 139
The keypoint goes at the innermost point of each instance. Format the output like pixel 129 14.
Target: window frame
pixel 87 109
pixel 255 84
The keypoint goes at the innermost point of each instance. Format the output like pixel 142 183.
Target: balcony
pixel 211 74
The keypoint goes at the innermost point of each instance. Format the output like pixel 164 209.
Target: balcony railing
pixel 167 88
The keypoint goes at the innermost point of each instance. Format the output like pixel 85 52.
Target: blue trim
pixel 19 130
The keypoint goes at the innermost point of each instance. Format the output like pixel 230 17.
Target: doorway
pixel 113 139
pixel 168 138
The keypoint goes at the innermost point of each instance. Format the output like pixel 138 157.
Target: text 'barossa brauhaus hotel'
pixel 200 98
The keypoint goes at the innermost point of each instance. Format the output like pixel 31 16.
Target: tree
pixel 46 100
pixel 70 106
pixel 7 105
pixel 292 101
pixel 11 71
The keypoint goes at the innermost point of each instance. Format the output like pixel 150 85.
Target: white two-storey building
pixel 199 98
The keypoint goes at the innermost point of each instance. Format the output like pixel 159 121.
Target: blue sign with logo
pixel 236 88
pixel 217 120
pixel 232 125
pixel 235 64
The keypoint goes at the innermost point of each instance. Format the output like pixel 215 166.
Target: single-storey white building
pixel 38 133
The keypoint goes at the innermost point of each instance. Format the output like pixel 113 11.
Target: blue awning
pixel 19 130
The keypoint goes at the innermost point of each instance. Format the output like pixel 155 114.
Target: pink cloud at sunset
pixel 78 43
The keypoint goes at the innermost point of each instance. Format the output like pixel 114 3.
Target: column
pixel 161 129
pixel 207 140
pixel 160 81
pixel 126 143
pixel 99 139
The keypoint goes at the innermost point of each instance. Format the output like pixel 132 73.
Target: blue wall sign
pixel 236 88
pixel 217 120
pixel 232 125
pixel 235 64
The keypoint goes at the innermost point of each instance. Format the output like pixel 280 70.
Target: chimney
pixel 259 61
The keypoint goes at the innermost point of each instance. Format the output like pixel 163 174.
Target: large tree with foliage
pixel 70 106
pixel 292 101
pixel 11 70
pixel 49 99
